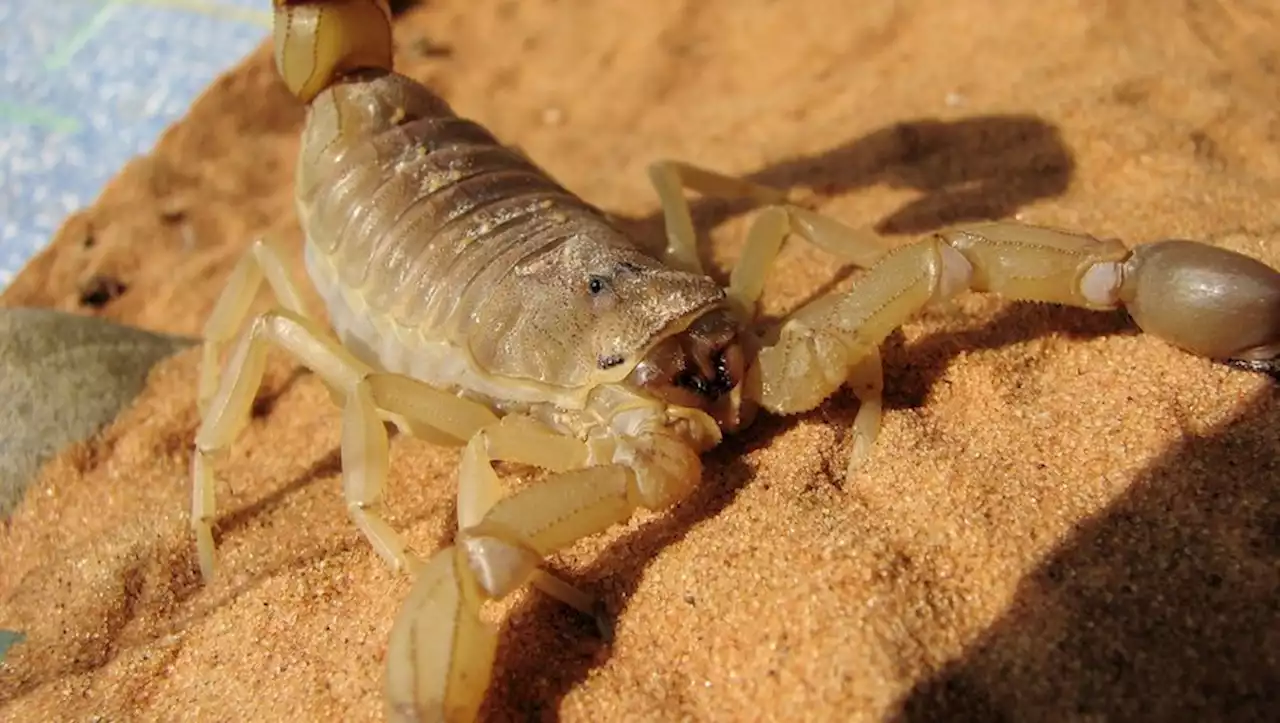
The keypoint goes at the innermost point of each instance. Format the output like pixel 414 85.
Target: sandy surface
pixel 1063 519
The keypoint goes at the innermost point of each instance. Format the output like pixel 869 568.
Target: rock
pixel 62 378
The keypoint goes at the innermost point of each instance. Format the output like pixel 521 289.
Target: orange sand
pixel 1062 520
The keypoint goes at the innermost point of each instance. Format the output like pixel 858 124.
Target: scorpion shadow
pixel 1164 607
pixel 967 170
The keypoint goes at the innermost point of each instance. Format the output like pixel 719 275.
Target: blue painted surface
pixel 85 85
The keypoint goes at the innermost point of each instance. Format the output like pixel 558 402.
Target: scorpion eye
pixel 597 284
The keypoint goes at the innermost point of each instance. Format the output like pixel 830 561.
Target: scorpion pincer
pixel 478 303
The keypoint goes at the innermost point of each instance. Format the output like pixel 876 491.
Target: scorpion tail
pixel 440 656
pixel 317 42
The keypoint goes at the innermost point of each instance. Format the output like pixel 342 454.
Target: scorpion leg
pixel 440 656
pixel 861 247
pixel 262 260
pixel 519 438
pixel 670 178
pixel 1206 300
pixel 866 380
pixel 366 398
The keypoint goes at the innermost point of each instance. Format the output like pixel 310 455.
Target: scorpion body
pixel 478 303
pixel 446 256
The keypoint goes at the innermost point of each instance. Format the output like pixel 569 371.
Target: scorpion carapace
pixel 534 283
pixel 476 302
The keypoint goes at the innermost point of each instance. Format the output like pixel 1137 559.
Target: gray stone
pixel 62 378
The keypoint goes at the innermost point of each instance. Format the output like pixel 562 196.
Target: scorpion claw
pixel 440 656
pixel 1207 300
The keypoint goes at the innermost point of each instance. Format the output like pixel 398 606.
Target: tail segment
pixel 317 42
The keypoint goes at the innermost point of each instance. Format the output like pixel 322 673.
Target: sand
pixel 1063 519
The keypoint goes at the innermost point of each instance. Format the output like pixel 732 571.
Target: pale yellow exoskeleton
pixel 477 303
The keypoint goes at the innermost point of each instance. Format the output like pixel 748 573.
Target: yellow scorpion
pixel 477 302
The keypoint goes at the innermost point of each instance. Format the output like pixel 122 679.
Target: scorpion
pixel 475 302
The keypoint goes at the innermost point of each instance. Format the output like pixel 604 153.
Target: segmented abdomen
pixel 419 210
